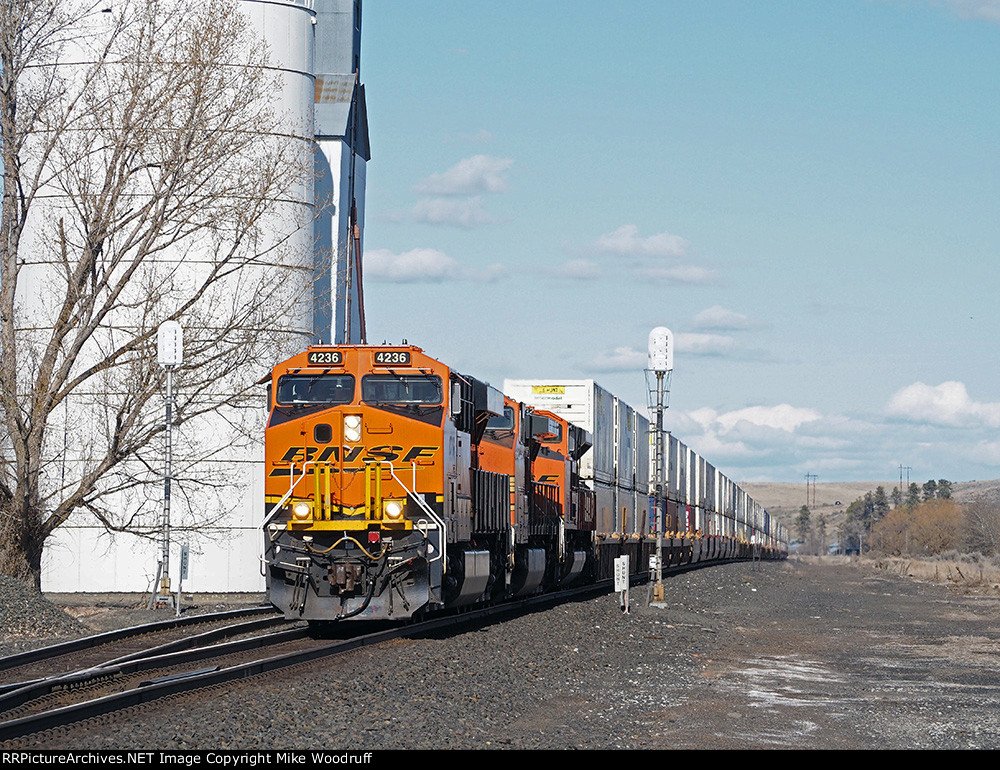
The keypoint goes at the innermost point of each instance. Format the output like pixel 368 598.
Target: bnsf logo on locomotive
pixel 354 454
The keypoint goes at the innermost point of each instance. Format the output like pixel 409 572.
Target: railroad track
pixel 94 650
pixel 119 684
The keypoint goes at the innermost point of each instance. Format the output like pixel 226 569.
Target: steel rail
pixel 33 690
pixel 87 642
pixel 16 694
pixel 24 726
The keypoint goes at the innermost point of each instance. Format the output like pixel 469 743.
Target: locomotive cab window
pixel 315 389
pixel 502 422
pixel 404 389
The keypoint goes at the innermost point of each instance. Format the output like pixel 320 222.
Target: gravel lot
pixel 784 655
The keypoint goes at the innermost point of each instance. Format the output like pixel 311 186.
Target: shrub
pixel 931 527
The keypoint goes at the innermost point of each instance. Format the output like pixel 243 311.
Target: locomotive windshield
pixel 316 389
pixel 401 389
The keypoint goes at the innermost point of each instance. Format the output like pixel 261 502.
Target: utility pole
pixel 811 477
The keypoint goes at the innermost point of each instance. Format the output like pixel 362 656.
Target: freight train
pixel 396 485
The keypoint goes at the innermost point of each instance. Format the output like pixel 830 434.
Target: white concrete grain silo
pixel 308 236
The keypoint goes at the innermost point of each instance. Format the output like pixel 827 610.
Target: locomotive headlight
pixel 352 427
pixel 301 511
pixel 392 510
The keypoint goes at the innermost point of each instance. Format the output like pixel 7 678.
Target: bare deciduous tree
pixel 982 525
pixel 144 179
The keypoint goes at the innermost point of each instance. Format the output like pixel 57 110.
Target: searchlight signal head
pixel 170 344
pixel 661 350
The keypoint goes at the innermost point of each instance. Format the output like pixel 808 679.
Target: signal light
pixel 374 536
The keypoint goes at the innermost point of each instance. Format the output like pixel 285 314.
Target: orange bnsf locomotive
pixel 396 485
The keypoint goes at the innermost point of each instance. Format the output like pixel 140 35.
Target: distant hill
pixel 783 501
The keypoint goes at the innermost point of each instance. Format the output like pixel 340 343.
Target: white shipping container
pixel 709 489
pixel 625 443
pixel 680 486
pixel 644 478
pixel 583 403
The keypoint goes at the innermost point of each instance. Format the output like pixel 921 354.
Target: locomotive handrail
pixel 422 504
pixel 291 488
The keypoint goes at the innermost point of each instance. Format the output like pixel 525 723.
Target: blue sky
pixel 804 192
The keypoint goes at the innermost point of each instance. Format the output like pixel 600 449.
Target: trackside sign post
pixel 621 580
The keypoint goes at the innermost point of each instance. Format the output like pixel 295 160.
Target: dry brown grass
pixel 965 574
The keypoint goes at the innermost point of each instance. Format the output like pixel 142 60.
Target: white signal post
pixel 660 363
pixel 170 354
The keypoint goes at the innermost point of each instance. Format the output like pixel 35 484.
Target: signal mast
pixel 660 364
pixel 170 355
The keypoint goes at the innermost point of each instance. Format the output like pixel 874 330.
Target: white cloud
pixel 489 274
pixel 718 318
pixel 460 212
pixel 649 257
pixel 623 359
pixel 781 417
pixel 781 442
pixel 703 418
pixel 424 266
pixel 986 452
pixel 414 266
pixel 626 241
pixel 579 269
pixel 988 10
pixel 686 274
pixel 947 404
pixel 470 176
pixel 711 445
pixel 704 344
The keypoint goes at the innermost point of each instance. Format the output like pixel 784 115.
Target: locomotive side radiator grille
pixel 543 517
pixel 586 509
pixel 490 501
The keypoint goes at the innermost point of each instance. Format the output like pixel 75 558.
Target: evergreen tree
pixel 897 497
pixel 881 505
pixel 930 490
pixel 868 511
pixel 913 495
pixel 802 524
pixel 853 528
pixel 944 489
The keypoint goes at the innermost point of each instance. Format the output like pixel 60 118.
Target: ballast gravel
pixel 775 655
pixel 26 617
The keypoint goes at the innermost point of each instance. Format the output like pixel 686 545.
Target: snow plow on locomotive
pixel 396 485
